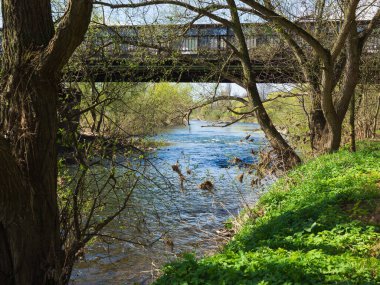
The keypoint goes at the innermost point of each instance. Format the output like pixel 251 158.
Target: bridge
pixel 200 53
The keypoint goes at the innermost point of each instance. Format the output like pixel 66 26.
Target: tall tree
pixel 279 144
pixel 332 68
pixel 34 54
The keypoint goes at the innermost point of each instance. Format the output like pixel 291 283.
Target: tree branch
pixel 206 11
pixel 371 26
pixel 68 36
pixel 274 17
pixel 349 18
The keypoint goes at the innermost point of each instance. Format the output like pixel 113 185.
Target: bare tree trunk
pixel 334 138
pixel 335 110
pixel 278 143
pixel 318 126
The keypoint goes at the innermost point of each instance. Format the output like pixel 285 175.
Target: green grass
pixel 317 225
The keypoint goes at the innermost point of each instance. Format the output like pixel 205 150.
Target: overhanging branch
pixel 68 36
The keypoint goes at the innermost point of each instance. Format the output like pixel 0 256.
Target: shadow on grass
pixel 315 238
pixel 278 250
pixel 291 227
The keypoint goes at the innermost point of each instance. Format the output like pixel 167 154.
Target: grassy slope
pixel 318 225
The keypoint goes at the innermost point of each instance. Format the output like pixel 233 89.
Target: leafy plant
pixel 317 229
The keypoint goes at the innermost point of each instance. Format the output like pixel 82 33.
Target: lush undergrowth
pixel 318 225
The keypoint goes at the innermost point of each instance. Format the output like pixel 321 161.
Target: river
pixel 170 220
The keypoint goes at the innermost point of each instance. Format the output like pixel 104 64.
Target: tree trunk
pixel 318 127
pixel 277 142
pixel 375 118
pixel 28 126
pixel 352 124
pixel 32 239
pixel 335 109
pixel 19 244
pixel 285 152
pixel 324 137
pixel 334 138
pixel 30 245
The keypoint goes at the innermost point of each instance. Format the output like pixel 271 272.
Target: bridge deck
pixel 183 54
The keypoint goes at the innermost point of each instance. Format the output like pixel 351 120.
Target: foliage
pixel 218 111
pixel 159 106
pixel 367 101
pixel 135 109
pixel 289 116
pixel 320 226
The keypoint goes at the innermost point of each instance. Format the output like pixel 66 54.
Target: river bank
pixel 320 224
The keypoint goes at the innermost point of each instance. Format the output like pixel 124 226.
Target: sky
pixel 236 90
pixel 164 13
pixel 169 13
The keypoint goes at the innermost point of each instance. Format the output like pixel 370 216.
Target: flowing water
pixel 169 219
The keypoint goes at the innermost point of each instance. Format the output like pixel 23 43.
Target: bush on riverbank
pixel 133 109
pixel 320 224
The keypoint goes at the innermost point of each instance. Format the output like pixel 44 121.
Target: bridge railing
pixel 187 45
pixel 197 41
